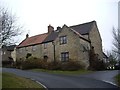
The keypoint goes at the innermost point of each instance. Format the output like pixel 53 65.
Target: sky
pixel 36 15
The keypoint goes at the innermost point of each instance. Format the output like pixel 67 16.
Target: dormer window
pixel 63 40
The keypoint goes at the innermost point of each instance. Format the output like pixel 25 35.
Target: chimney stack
pixel 58 28
pixel 27 35
pixel 50 29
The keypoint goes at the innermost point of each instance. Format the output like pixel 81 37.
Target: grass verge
pixel 63 72
pixel 13 81
pixel 117 78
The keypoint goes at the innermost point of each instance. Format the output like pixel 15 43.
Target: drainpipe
pixel 54 51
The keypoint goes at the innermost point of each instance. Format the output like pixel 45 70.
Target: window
pixel 28 55
pixel 45 58
pixel 34 48
pixel 64 56
pixel 63 40
pixel 45 45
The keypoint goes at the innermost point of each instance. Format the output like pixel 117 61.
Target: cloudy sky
pixel 36 15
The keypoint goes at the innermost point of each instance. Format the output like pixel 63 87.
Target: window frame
pixel 63 40
pixel 34 48
pixel 64 56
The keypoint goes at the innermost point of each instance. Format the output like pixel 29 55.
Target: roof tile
pixel 83 28
pixel 33 40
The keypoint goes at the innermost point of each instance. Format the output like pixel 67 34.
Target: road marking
pixel 39 83
pixel 110 82
pixel 42 85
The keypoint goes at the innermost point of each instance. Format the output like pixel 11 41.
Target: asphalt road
pixel 65 81
pixel 106 76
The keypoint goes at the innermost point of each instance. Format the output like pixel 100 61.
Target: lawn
pixel 118 79
pixel 13 81
pixel 63 72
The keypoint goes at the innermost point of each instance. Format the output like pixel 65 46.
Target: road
pixel 107 76
pixel 64 81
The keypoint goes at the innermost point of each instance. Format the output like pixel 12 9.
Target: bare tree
pixel 112 58
pixel 8 27
pixel 116 42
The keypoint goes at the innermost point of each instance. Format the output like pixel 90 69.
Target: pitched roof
pixel 33 40
pixel 80 30
pixel 80 35
pixel 83 28
pixel 51 37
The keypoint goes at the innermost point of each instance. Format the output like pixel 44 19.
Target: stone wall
pixel 35 50
pixel 83 51
pixel 48 51
pixel 96 41
pixel 5 55
pixel 74 46
pixel 13 54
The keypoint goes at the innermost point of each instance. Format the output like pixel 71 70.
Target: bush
pixel 7 63
pixel 28 63
pixel 95 63
pixel 33 62
pixel 65 66
pixel 53 66
pixel 18 63
pixel 71 66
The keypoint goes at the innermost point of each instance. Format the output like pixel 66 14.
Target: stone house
pixel 7 52
pixel 63 44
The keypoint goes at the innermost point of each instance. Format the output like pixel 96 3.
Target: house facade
pixel 63 44
pixel 7 52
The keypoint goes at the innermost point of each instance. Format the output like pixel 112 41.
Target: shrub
pixel 71 66
pixel 95 63
pixel 53 66
pixel 7 63
pixel 28 63
pixel 18 63
pixel 33 62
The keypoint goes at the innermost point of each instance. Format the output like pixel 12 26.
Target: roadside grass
pixel 13 81
pixel 63 72
pixel 117 78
